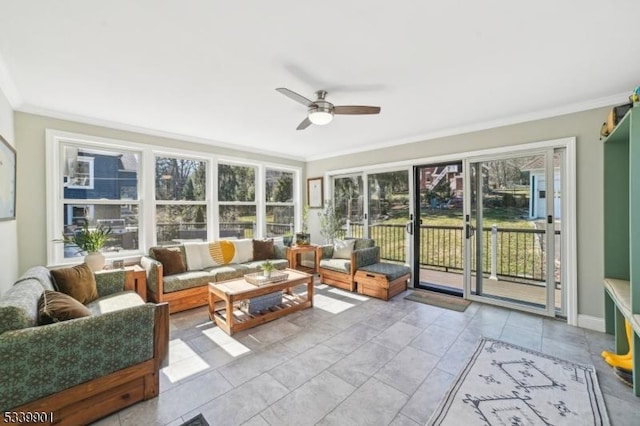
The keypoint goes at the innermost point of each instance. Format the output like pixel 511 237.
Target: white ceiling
pixel 206 70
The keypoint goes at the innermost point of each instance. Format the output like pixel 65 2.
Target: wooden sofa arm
pixel 154 274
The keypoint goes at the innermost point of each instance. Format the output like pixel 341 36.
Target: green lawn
pixel 518 253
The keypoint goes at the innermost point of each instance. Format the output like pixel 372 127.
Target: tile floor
pixel 351 360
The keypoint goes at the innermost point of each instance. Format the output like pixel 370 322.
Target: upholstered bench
pixel 382 280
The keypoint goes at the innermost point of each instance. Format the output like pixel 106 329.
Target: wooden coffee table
pixel 225 298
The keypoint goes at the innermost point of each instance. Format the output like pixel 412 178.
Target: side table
pixel 136 280
pixel 294 253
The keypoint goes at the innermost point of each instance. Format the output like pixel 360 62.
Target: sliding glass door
pixel 375 204
pixel 438 229
pixel 513 230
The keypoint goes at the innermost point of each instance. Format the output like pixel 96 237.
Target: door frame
pixel 414 236
pixel 569 203
pixel 549 236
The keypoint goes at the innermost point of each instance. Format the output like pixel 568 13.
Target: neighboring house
pixel 103 176
pixel 538 188
pixel 431 177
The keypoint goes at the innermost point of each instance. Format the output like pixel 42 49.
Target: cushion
pixel 54 306
pixel 198 256
pixel 171 260
pixel 19 305
pixel 244 250
pixel 342 249
pixel 78 282
pixel 263 249
pixel 222 252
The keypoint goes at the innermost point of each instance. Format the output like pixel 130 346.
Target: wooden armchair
pixel 340 272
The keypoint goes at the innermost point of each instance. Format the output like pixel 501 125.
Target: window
pixel 181 195
pixel 280 207
pixel 181 199
pixel 80 172
pixel 237 201
pixel 99 186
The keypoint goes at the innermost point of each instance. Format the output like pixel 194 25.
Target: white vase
pixel 267 274
pixel 95 260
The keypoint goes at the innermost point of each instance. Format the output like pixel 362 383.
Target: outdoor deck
pixel 528 293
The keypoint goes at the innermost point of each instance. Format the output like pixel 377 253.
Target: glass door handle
pixel 409 228
pixel 469 231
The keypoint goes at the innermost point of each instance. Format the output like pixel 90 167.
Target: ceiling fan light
pixel 320 118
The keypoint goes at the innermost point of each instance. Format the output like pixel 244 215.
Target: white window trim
pixel 569 207
pixel 90 161
pixel 146 187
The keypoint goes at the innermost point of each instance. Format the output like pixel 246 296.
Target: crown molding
pixel 16 102
pixel 501 122
pixel 30 109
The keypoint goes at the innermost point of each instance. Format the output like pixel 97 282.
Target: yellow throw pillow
pixel 222 251
pixel 78 282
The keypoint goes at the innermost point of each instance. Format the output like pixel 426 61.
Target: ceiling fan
pixel 321 111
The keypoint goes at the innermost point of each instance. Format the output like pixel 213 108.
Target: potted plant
pixel 267 268
pixel 330 225
pixel 287 238
pixel 90 242
pixel 304 238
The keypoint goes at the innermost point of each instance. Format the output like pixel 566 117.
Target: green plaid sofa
pixel 189 289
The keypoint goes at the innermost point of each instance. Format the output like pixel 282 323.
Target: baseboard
pixel 591 322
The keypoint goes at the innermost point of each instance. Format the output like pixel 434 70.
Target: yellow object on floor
pixel 624 361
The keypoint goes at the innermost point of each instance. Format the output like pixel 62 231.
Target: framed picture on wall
pixel 7 181
pixel 315 193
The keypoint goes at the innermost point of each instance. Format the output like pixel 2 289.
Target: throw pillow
pixel 263 249
pixel 222 252
pixel 171 260
pixel 197 256
pixel 54 306
pixel 342 249
pixel 78 282
pixel 244 251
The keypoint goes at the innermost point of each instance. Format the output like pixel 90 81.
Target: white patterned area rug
pixel 503 384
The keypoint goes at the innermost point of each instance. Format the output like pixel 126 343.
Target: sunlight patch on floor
pixel 344 293
pixel 183 361
pixel 226 342
pixel 330 304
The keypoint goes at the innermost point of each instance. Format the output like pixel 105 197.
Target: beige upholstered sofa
pixel 181 278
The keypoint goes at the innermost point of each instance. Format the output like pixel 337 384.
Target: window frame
pixel 182 155
pixel 292 203
pixel 55 141
pixel 55 186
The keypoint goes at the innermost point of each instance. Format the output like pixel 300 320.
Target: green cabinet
pixel 622 235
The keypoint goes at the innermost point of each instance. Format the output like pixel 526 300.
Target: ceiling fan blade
pixel 296 97
pixel 356 109
pixel 304 124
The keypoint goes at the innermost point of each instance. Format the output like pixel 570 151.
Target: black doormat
pixel 198 420
pixel 441 300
